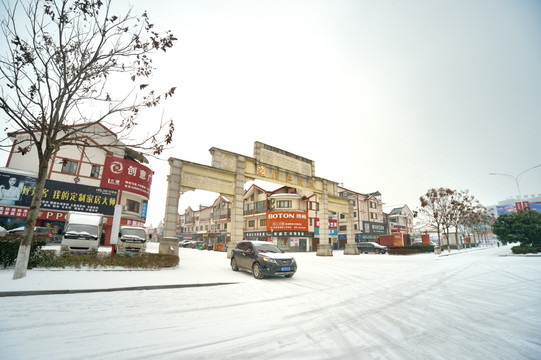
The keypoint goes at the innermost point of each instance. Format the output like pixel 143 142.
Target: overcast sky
pixel 394 96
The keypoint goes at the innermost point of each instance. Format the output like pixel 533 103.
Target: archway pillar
pixel 351 247
pixel 169 241
pixel 237 206
pixel 324 248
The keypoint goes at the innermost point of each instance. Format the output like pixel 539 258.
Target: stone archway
pixel 228 173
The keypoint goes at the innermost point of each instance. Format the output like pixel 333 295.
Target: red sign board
pixel 333 223
pixel 287 220
pixel 13 211
pixel 126 175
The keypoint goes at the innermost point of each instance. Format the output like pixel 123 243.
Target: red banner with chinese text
pixel 126 175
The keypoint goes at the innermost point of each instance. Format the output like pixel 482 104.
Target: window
pixel 260 206
pixel 262 222
pixel 95 172
pixel 373 216
pixel 69 167
pixel 132 206
pixel 284 204
pixel 251 223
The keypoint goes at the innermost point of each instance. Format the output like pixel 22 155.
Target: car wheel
pixel 234 266
pixel 376 251
pixel 256 270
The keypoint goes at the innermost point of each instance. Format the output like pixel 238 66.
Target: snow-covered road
pixel 479 304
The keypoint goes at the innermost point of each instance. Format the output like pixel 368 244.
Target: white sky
pixel 392 96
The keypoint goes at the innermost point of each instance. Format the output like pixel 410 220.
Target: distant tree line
pixel 444 209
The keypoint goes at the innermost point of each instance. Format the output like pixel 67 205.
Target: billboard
pixel 18 190
pixel 512 208
pixel 333 227
pixel 287 220
pixel 126 175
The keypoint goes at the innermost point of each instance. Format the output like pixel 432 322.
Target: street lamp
pixel 517 179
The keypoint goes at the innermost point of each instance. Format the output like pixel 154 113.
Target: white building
pixel 89 179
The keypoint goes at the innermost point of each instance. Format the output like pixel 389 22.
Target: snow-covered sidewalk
pixel 479 304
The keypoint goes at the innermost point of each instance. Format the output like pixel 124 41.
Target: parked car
pixel 262 258
pixel 420 243
pixel 195 244
pixel 44 233
pixel 366 247
pixel 3 231
pixel 184 243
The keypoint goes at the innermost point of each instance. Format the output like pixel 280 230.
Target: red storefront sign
pixel 287 220
pixel 126 175
pixel 13 211
pixel 333 223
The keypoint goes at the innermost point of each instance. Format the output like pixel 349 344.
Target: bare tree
pixel 434 210
pixel 459 204
pixel 55 77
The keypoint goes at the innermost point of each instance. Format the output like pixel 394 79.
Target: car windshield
pixel 83 229
pixel 270 247
pixel 134 232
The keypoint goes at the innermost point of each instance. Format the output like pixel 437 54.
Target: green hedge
pixel 411 250
pixel 525 249
pixel 422 248
pixel 9 249
pixel 49 259
pixel 407 250
pixel 40 258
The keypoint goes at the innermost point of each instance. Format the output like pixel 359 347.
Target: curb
pixel 132 288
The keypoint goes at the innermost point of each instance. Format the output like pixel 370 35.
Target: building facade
pixel 369 222
pixel 287 217
pixel 399 219
pixel 90 179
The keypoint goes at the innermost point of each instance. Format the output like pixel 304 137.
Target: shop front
pixel 289 230
pixel 371 230
pixel 333 234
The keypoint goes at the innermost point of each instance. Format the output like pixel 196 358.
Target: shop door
pixel 302 244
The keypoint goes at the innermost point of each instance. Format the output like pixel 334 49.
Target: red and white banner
pixel 126 175
pixel 287 220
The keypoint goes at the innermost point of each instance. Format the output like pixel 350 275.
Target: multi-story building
pixel 368 217
pixel 288 218
pixel 89 179
pixel 399 218
pixel 208 224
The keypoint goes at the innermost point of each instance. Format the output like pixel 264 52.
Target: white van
pixel 82 233
pixel 131 239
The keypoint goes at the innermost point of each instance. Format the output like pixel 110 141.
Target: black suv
pixel 262 259
pixel 366 247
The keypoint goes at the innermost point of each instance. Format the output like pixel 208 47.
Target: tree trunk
pixel 26 241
